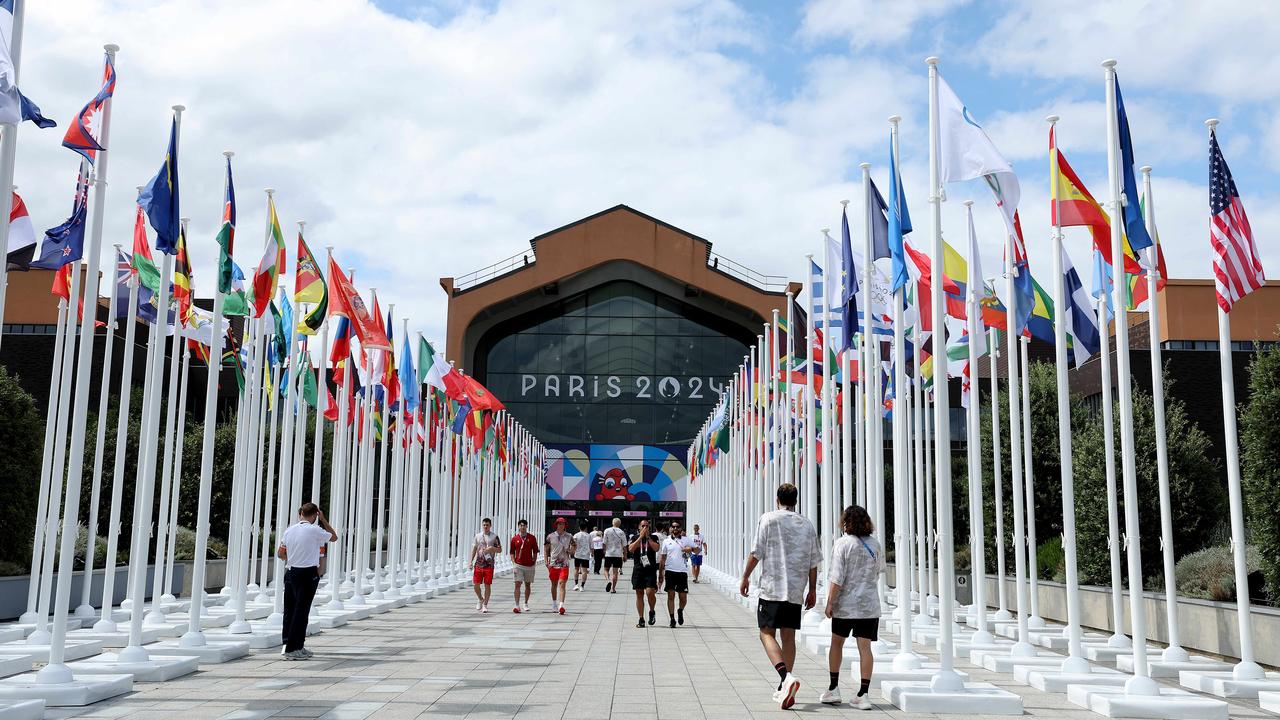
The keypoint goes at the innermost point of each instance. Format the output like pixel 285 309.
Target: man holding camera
pixel 643 547
pixel 674 569
pixel 300 547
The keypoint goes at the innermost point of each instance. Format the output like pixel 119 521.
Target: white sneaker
pixel 862 702
pixel 479 605
pixel 790 686
pixel 524 608
pixel 577 588
pixel 484 608
pixel 830 697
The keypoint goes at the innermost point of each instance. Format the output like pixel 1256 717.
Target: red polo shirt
pixel 524 550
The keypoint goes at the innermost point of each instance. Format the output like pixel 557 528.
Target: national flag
pixel 330 405
pixel 82 134
pixel 346 303
pixel 832 287
pixel 899 223
pixel 31 111
pixel 1135 226
pixel 143 264
pixel 877 211
pixel 341 341
pixel 460 419
pixel 1023 294
pixel 227 237
pixel 994 313
pixel 14 106
pixel 22 236
pixel 432 366
pixel 267 274
pixel 62 282
pixel 817 295
pixel 308 286
pixel 974 286
pixel 235 302
pixel 1040 324
pixel 160 197
pixel 409 376
pixel 1082 323
pixel 65 243
pixel 1102 282
pixel 1237 269
pixel 182 291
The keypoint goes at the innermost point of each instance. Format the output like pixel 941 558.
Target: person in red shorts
pixel 524 554
pixel 483 549
pixel 558 552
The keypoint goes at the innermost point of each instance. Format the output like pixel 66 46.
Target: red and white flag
pixel 22 236
pixel 1237 269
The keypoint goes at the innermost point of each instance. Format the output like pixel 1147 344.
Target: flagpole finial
pixel 269 191
pixel 178 108
pixel 228 154
pixel 1109 64
pixel 1211 123
pixel 301 224
pixel 968 203
pixel 844 203
pixel 1052 119
pixel 116 245
pixel 1145 169
pixel 895 119
pixel 931 61
pixel 111 48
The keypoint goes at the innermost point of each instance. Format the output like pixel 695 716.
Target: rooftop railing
pixel 498 269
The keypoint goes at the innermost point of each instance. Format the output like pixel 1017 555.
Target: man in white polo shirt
pixel 300 549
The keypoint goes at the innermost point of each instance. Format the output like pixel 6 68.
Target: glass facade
pixel 618 364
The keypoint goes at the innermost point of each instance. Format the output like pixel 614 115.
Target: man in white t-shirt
pixel 699 550
pixel 786 549
pixel 614 542
pixel 673 569
pixel 300 547
pixel 484 547
pixel 581 557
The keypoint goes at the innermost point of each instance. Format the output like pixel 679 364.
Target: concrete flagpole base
pixel 117 639
pixel 11 634
pixel 213 652
pixel 1058 639
pixel 1056 679
pixel 883 671
pixel 1167 704
pixel 1161 668
pixel 73 650
pixel 1269 701
pixel 76 692
pixel 1227 684
pixel 159 668
pixel 28 628
pixel 15 664
pixel 980 699
pixel 1105 652
pixel 1003 661
pixel 21 709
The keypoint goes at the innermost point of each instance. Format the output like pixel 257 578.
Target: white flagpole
pixel 869 378
pixel 168 595
pixel 1141 682
pixel 56 671
pixel 905 659
pixel 1118 639
pixel 144 491
pixel 106 623
pixel 85 610
pixel 1174 652
pixel 973 451
pixel 1033 574
pixel 397 478
pixel 1247 668
pixel 383 472
pixel 8 156
pixel 194 637
pixel 808 415
pixel 946 678
pixel 809 504
pixel 917 477
pixel 322 404
pixel 251 409
pixel 156 615
pixel 1002 591
pixel 1022 647
pixel 1075 662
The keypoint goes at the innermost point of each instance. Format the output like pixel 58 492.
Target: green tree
pixel 1260 461
pixel 1197 493
pixel 21 437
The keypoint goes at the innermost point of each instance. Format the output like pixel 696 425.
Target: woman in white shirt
pixel 853 600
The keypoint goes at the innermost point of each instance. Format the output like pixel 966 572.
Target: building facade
pixel 611 339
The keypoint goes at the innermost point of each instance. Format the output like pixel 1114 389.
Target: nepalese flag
pixel 22 236
pixel 227 236
pixel 160 197
pixel 308 287
pixel 82 134
pixel 1237 269
pixel 267 274
pixel 65 243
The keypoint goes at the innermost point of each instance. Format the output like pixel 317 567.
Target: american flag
pixel 1237 269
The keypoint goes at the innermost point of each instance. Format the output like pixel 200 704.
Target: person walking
pixel 524 556
pixel 559 549
pixel 581 557
pixel 597 550
pixel 699 549
pixel 786 550
pixel 484 547
pixel 643 547
pixel 853 600
pixel 299 548
pixel 673 572
pixel 615 541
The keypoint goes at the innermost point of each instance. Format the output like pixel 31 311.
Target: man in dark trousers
pixel 300 550
pixel 644 575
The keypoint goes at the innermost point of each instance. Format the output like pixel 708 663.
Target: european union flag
pixel 1135 226
pixel 849 288
pixel 159 198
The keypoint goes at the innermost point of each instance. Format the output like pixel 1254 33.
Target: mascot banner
pixel 620 473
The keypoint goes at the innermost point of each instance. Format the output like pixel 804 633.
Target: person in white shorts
pixel 614 542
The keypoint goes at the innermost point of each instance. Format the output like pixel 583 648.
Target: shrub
pixel 1209 574
pixel 1260 464
pixel 184 546
pixel 21 437
pixel 1052 561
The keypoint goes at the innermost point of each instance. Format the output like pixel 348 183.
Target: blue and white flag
pixel 1082 331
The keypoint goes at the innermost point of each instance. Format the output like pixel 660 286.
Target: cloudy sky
pixel 429 139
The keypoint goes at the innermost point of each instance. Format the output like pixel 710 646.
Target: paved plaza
pixel 440 659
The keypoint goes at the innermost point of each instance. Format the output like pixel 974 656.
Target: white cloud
pixel 868 23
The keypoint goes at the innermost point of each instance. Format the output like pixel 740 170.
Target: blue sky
pixel 429 139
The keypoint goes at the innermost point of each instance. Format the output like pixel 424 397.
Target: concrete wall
pixel 13 589
pixel 1204 625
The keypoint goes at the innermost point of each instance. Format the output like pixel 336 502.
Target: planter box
pixel 13 589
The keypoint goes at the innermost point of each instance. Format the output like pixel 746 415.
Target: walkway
pixel 440 659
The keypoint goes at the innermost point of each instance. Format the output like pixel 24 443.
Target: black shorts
pixel 644 578
pixel 868 628
pixel 613 562
pixel 676 582
pixel 778 614
pixel 580 563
